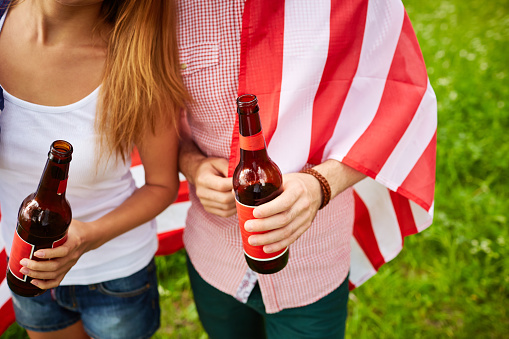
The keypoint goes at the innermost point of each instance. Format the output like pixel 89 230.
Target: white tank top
pixel 26 133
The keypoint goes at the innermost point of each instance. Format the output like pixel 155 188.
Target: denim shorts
pixel 120 308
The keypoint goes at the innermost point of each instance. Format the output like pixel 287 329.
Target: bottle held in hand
pixel 256 180
pixel 43 218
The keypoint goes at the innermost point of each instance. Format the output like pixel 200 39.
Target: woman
pixel 103 75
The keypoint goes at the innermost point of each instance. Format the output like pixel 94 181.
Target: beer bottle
pixel 43 218
pixel 256 180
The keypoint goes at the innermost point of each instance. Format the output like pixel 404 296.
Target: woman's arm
pixel 159 157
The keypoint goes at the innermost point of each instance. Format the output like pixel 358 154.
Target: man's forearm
pixel 339 175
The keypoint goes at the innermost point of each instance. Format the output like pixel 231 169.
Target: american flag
pixel 357 63
pixel 368 77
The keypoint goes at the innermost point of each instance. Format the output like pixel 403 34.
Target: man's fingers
pixel 225 213
pixel 270 237
pixel 217 206
pixel 283 202
pixel 278 234
pixel 221 166
pixel 276 240
pixel 271 223
pixel 215 183
pixel 215 196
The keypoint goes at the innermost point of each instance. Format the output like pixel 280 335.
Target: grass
pixel 451 280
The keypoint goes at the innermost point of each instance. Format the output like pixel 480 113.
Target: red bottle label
pixel 59 242
pixel 62 186
pixel 245 213
pixel 23 249
pixel 20 249
pixel 253 142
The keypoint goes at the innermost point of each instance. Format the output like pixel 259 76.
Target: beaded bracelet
pixel 324 184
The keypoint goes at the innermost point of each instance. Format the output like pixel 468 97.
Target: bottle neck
pixel 252 141
pixel 53 183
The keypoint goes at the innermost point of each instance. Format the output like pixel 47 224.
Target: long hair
pixel 142 86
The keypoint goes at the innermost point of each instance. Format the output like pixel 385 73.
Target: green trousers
pixel 224 317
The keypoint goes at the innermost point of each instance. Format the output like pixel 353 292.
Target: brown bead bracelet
pixel 324 184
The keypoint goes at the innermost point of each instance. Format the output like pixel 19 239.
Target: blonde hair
pixel 142 85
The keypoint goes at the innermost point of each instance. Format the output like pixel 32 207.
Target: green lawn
pixel 451 280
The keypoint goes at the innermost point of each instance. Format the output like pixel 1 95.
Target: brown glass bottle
pixel 43 218
pixel 256 180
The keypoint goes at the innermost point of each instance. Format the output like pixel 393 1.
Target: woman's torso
pixel 43 103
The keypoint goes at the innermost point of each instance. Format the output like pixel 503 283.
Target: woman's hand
pixel 48 274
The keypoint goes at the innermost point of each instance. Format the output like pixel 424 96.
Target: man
pixel 335 93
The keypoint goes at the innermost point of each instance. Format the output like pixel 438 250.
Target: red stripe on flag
pixel 406 84
pixel 183 194
pixel 347 24
pixel 3 263
pixel 404 214
pixel 135 158
pixel 363 233
pixel 261 64
pixel 7 316
pixel 170 242
pixel 421 180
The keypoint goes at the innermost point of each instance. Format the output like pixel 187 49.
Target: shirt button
pixel 183 66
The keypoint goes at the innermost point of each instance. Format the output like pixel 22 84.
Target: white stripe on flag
pixel 422 218
pixel 5 293
pixel 384 22
pixel 138 173
pixel 382 215
pixel 173 218
pixel 306 23
pixel 412 144
pixel 361 268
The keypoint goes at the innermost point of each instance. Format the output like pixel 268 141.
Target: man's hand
pixel 208 174
pixel 291 214
pixel 214 188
